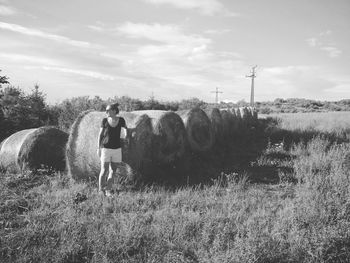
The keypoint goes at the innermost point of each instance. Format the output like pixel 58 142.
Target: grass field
pixel 280 193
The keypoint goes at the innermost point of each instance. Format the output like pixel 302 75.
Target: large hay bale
pixel 216 124
pixel 245 114
pixel 238 113
pixel 82 159
pixel 228 122
pixel 199 129
pixel 31 149
pixel 169 136
pixel 253 112
pixel 236 120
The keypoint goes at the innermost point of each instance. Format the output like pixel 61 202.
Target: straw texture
pixel 169 136
pixel 228 122
pixel 83 163
pixel 199 130
pixel 216 124
pixel 31 149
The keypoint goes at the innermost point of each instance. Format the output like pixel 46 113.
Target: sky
pixel 177 49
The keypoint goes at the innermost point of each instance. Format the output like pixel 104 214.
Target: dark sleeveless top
pixel 111 135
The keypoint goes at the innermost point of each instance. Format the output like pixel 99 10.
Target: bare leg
pixel 102 176
pixel 111 175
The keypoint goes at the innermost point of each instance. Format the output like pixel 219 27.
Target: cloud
pixel 324 43
pixel 205 7
pixel 161 33
pixel 296 81
pixel 7 10
pixel 312 42
pixel 86 73
pixel 175 60
pixel 217 31
pixel 37 33
pixel 333 52
pixel 27 59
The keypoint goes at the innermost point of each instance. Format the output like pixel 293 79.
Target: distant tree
pixel 15 111
pixel 69 109
pixel 37 108
pixel 3 80
pixel 279 101
pixel 127 103
pixel 191 103
pixel 242 103
pixel 152 104
pixel 172 105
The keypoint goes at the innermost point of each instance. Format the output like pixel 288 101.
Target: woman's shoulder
pixel 104 120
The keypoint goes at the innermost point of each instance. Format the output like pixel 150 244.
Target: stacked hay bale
pixel 238 113
pixel 245 116
pixel 254 113
pixel 31 149
pixel 228 122
pixel 236 120
pixel 215 118
pixel 199 130
pixel 82 160
pixel 168 136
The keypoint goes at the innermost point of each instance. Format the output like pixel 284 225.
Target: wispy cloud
pixel 333 52
pixel 163 33
pixel 296 81
pixel 205 7
pixel 27 59
pixel 312 42
pixel 217 31
pixel 323 42
pixel 38 33
pixel 7 10
pixel 86 73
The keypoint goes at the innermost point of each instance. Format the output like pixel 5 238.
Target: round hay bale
pixel 238 113
pixel 199 130
pixel 245 114
pixel 228 122
pixel 169 136
pixel 232 110
pixel 236 120
pixel 254 113
pixel 31 149
pixel 216 124
pixel 83 162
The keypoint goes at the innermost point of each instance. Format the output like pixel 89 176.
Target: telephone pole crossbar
pixel 217 95
pixel 252 86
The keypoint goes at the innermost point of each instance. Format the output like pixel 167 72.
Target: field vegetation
pixel 279 193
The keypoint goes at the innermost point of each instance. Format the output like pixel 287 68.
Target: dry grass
pixel 303 217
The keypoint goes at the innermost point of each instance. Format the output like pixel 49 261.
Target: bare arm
pixel 99 139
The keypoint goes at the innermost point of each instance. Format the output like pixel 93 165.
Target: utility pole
pixel 252 86
pixel 217 95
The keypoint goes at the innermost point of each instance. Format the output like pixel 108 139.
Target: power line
pixel 252 86
pixel 217 95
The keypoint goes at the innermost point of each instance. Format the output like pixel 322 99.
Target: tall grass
pixel 231 220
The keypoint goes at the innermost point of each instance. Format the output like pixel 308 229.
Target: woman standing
pixel 109 147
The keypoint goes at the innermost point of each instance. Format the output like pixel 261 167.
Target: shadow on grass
pixel 261 151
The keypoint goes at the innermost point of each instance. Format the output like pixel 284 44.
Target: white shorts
pixel 111 155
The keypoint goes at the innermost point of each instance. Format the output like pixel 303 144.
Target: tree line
pixel 20 110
